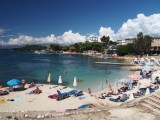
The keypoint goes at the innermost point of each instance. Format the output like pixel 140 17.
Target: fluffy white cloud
pixel 149 25
pixel 106 32
pixel 67 38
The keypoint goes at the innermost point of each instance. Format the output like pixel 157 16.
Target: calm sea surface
pixel 30 66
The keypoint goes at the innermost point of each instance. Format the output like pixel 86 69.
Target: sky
pixel 71 21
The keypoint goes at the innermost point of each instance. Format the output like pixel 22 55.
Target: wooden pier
pixel 110 63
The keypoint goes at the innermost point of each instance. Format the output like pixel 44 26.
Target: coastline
pixel 36 103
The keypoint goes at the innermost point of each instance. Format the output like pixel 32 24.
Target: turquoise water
pixel 30 66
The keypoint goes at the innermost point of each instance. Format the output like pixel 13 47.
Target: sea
pixel 36 67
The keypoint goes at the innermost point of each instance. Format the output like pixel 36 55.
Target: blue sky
pixel 41 18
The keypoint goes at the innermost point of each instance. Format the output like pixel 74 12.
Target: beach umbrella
pixel 147 91
pixel 75 82
pixel 13 82
pixel 49 78
pixel 60 80
pixel 131 97
pixel 135 77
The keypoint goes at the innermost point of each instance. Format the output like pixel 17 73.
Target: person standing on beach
pixel 23 83
pixel 89 91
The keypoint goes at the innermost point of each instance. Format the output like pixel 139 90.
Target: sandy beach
pixel 41 102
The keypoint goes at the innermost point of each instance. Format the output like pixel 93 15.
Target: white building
pixel 126 41
pixel 121 42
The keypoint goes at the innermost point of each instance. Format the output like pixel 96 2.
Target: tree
pixel 97 46
pixel 55 47
pixel 147 43
pixel 65 48
pixel 143 44
pixel 131 48
pixel 105 41
pixel 122 50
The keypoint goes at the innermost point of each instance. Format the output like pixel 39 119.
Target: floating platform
pixel 110 63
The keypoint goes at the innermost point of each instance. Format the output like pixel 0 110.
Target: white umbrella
pixel 131 97
pixel 147 91
pixel 60 80
pixel 75 82
pixel 49 78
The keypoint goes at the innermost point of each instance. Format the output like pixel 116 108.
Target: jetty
pixel 110 63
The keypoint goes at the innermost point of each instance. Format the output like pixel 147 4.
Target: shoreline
pixel 41 102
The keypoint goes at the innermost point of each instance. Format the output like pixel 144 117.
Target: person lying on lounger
pixel 37 91
pixel 3 92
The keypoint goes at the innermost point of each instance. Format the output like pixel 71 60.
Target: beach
pixel 41 106
pixel 41 102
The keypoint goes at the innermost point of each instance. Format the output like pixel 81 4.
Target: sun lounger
pixel 72 92
pixel 138 94
pixel 114 99
pixel 122 98
pixel 142 90
pixel 19 89
pixel 62 95
pixel 78 93
pixel 3 93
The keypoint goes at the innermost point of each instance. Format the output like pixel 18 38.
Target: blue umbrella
pixel 13 82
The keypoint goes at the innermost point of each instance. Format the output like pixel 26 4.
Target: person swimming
pixel 65 72
pixel 79 80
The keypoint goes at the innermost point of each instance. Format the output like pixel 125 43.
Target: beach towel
pixel 2 100
pixel 82 97
pixel 18 99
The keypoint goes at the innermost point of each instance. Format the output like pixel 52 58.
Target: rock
pixel 46 115
pixel 26 116
pixel 39 116
pixel 42 116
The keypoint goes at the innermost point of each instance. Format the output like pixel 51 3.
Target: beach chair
pixel 78 93
pixel 142 90
pixel 72 92
pixel 115 99
pixel 124 98
pixel 62 96
pixel 151 90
